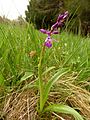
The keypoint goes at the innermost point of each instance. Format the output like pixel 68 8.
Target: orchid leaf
pixel 63 109
pixel 50 83
pixel 45 72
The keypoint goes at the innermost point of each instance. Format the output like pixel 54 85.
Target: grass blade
pixel 48 70
pixel 1 79
pixel 26 76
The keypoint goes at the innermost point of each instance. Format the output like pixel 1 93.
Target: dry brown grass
pixel 76 95
pixel 22 105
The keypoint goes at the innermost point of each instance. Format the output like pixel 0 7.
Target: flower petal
pixel 43 31
pixel 55 32
pixel 65 15
pixel 48 44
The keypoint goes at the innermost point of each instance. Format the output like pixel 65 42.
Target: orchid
pixel 54 29
pixel 44 87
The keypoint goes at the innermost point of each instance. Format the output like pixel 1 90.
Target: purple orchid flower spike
pixel 54 29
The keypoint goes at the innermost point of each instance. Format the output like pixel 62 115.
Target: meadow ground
pixel 20 48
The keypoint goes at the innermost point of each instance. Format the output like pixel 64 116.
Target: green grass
pixel 16 42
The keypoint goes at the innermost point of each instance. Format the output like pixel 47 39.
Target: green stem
pixel 40 78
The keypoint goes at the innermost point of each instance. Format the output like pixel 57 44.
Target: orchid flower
pixel 49 33
pixel 48 41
